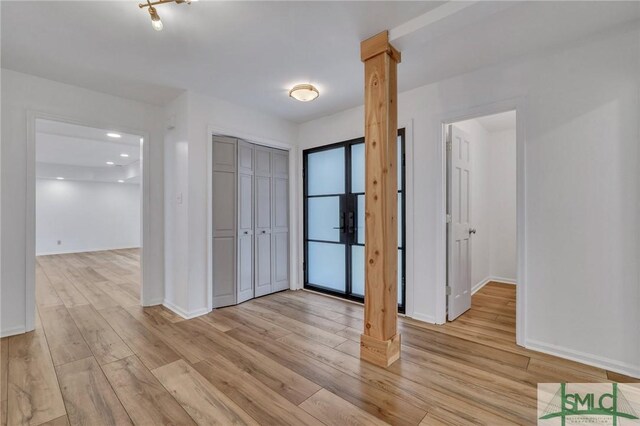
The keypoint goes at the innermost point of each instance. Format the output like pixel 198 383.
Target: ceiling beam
pixel 444 19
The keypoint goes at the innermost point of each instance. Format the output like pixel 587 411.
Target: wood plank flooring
pixel 292 358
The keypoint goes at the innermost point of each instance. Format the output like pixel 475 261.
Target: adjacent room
pixel 319 212
pixel 88 213
pixel 481 225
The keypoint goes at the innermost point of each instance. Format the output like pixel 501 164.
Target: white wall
pixel 504 262
pixel 579 117
pixel 493 204
pixel 187 149
pixel 22 93
pixel 86 216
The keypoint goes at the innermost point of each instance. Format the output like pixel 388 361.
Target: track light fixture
pixel 156 22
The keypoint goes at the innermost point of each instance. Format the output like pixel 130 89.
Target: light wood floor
pixel 96 357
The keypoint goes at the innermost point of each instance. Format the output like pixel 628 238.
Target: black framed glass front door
pixel 334 226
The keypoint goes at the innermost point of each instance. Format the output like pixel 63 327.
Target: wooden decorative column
pixel 380 342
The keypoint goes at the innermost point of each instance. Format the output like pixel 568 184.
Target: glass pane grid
pixel 354 186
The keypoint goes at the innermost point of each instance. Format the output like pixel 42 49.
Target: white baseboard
pixel 424 318
pixel 487 280
pixel 153 302
pixel 184 314
pixel 584 358
pixel 503 280
pixel 13 331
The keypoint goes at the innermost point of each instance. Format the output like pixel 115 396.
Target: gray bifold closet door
pixel 224 220
pixel 251 221
pixel 262 201
pixel 245 221
pixel 280 220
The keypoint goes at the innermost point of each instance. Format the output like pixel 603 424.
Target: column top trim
pixel 377 45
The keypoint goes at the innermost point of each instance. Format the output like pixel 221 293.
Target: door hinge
pixel 448 218
pixel 449 146
pixel 448 291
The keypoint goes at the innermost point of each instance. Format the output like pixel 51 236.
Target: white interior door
pixel 458 228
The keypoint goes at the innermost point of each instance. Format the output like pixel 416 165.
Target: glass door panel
pixel 325 185
pixel 324 219
pixel 327 265
pixel 325 172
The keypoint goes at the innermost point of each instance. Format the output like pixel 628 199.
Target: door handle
pixel 341 227
pixel 351 223
pixel 472 231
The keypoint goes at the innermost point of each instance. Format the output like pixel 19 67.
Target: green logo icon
pixel 581 406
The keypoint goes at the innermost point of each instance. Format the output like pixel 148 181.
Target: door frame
pixel 30 253
pixel 293 212
pixel 405 131
pixel 519 105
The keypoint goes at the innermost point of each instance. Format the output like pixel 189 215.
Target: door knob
pixel 472 231
pixel 264 232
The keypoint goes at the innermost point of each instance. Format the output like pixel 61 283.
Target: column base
pixel 382 353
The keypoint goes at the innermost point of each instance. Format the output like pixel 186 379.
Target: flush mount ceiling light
pixel 110 163
pixel 120 181
pixel 124 155
pixel 60 178
pixel 114 135
pixel 156 22
pixel 304 92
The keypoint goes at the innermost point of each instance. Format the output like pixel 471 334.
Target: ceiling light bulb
pixel 60 178
pixel 156 23
pixel 114 135
pixel 110 163
pixel 304 92
pixel 120 181
pixel 124 155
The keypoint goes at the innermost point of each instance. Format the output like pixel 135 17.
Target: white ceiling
pixel 251 53
pixel 81 153
pixel 73 145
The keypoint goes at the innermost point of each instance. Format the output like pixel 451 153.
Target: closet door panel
pixel 280 163
pixel 245 203
pixel 280 230
pixel 263 264
pixel 245 267
pixel 246 188
pixel 223 271
pixel 281 204
pixel 245 157
pixel 224 154
pixel 263 203
pixel 263 161
pixel 280 261
pixel 224 188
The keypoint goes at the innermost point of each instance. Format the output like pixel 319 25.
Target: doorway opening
pixel 481 224
pixel 334 219
pixel 88 216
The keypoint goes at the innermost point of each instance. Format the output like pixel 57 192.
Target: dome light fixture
pixel 156 22
pixel 304 92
